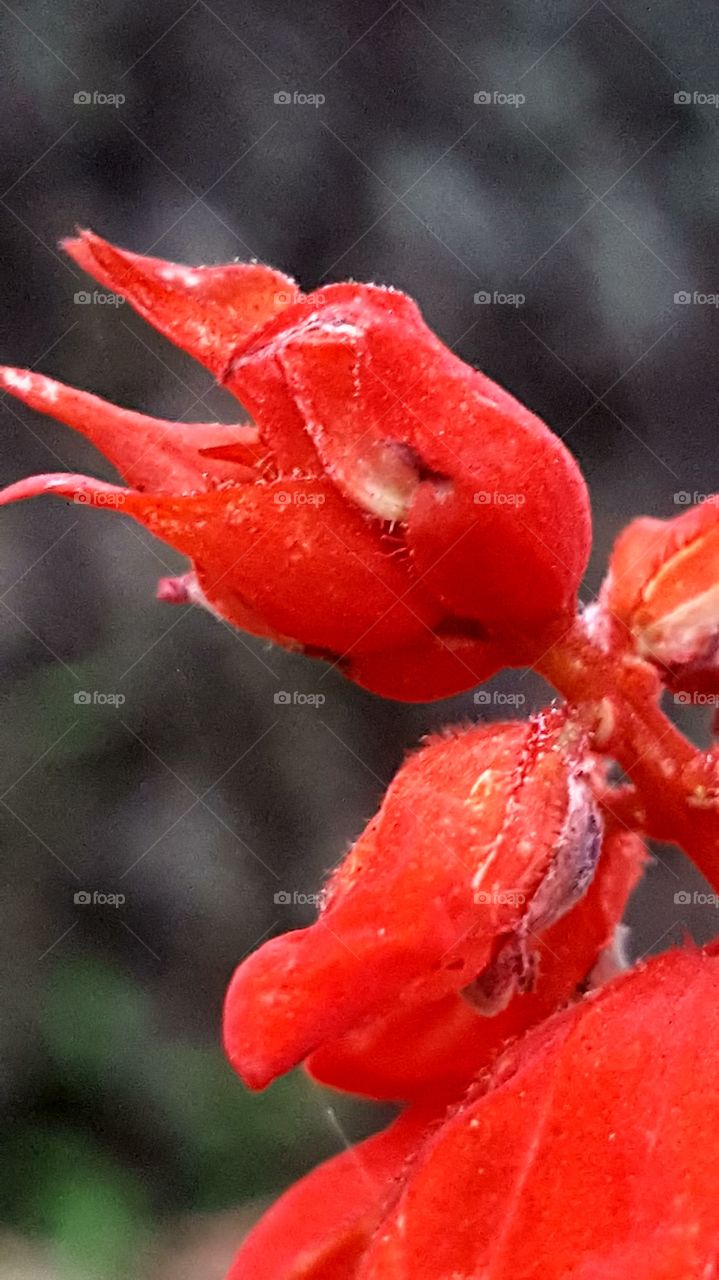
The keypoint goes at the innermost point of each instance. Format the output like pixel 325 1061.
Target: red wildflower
pixel 392 508
pixel 484 838
pixel 663 584
pixel 588 1152
pixel 414 1051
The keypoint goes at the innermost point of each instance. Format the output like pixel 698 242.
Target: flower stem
pixel 677 784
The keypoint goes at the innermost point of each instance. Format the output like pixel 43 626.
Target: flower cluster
pixel 558 1110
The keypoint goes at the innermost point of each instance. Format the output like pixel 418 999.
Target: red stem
pixel 677 785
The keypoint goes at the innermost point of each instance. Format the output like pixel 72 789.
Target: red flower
pixel 586 1151
pixel 321 1227
pixel 484 838
pixel 391 509
pixel 589 1152
pixel 413 1052
pixel 663 584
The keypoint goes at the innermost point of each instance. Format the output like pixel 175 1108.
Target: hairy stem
pixel 677 785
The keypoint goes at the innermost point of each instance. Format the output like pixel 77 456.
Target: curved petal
pixel 414 1051
pixel 292 552
pixel 590 1152
pixel 84 490
pixel 482 838
pixel 319 1229
pixel 207 311
pixel 150 453
pixel 499 527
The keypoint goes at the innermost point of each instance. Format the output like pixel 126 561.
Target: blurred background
pixel 544 179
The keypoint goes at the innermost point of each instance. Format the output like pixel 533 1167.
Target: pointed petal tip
pixel 33 388
pixel 83 490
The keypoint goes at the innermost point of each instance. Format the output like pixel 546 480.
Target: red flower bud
pixel 485 837
pixel 589 1151
pixel 663 583
pixel 414 1051
pixel 391 509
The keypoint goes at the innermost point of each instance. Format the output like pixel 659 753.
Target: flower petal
pixel 589 1152
pixel 319 1229
pixel 499 526
pixel 483 836
pixel 411 1052
pixel 439 665
pixel 150 453
pixel 205 310
pixel 663 583
pixel 257 548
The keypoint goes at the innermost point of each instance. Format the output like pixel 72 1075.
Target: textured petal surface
pixel 261 544
pixel 207 311
pixel 442 1044
pixel 463 857
pixel 499 524
pixel 590 1152
pixel 390 560
pixel 319 1229
pixel 663 582
pixel 149 453
pixel 437 666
